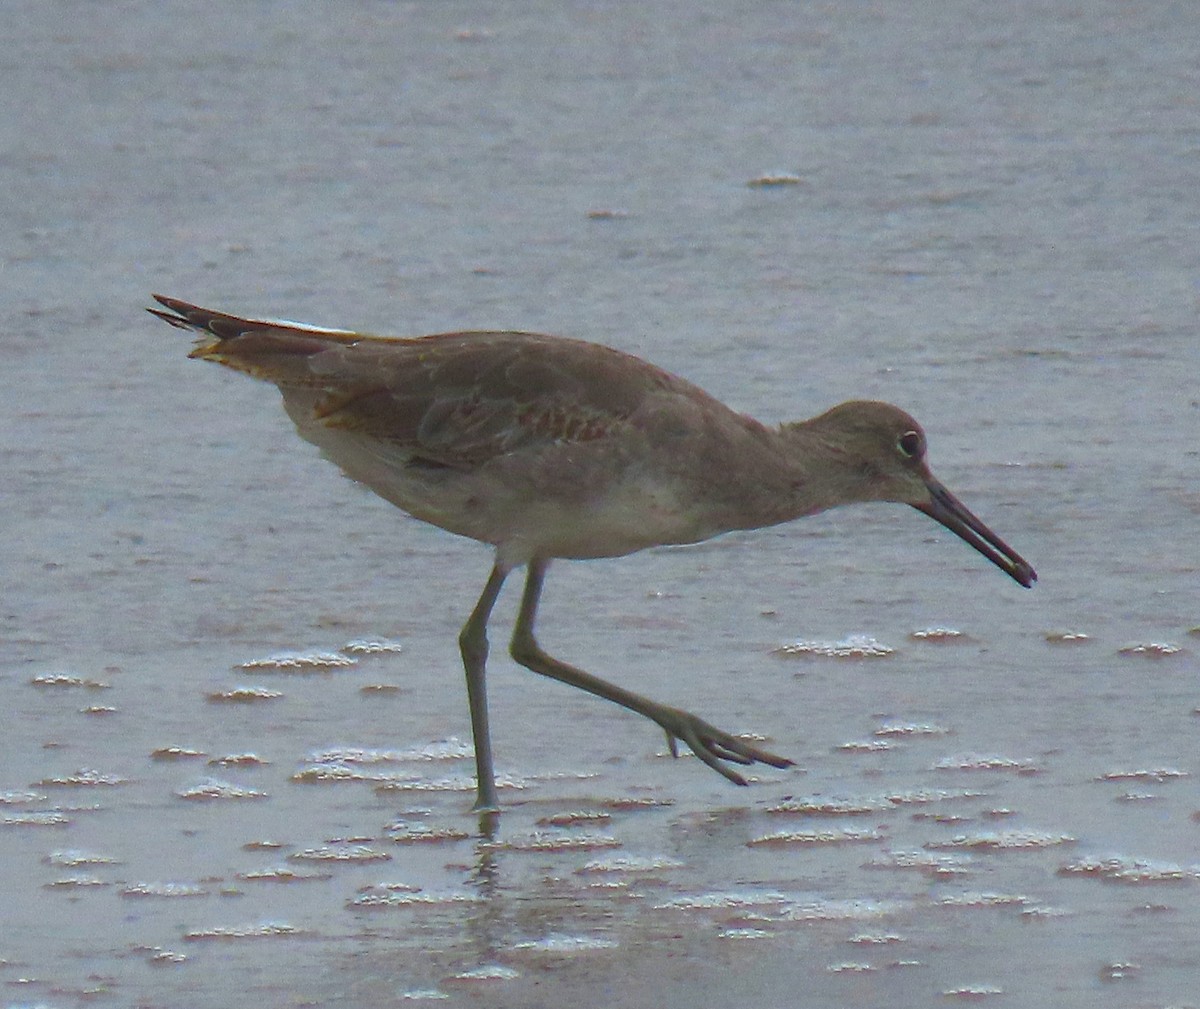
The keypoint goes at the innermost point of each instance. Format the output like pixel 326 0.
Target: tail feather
pixel 183 315
pixel 274 350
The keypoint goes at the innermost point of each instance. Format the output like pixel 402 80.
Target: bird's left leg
pixel 709 743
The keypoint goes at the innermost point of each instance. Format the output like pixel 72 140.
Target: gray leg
pixel 472 642
pixel 710 744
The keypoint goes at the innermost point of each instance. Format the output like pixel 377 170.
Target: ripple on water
pixel 985 762
pixel 998 813
pixel 164 753
pixel 571 818
pixel 451 783
pixel 1043 912
pixel 850 967
pixel 423 833
pixel 864 746
pixel 726 900
pixel 158 956
pixel 1066 637
pixel 73 857
pixel 85 777
pixel 358 853
pixel 1124 869
pixel 815 838
pixel 1156 774
pixel 1001 840
pixel 168 890
pixel 262 930
pixel 37 818
pixel 856 646
pixel 1151 650
pixel 486 972
pixel 630 863
pixel 940 635
pixel 58 680
pixel 842 909
pixel 819 805
pixel 239 760
pixel 1137 797
pixel 925 796
pixel 76 883
pixel 300 662
pixel 542 840
pixel 372 646
pixel 333 772
pixel 827 805
pixel 450 748
pixel 901 729
pixel 982 899
pixel 243 695
pixel 388 779
pixel 775 179
pixel 875 939
pixel 21 797
pixel 745 933
pixel 923 861
pixel 213 789
pixel 282 874
pixel 940 817
pixel 404 895
pixel 558 944
pixel 754 908
pixel 973 992
pixel 633 803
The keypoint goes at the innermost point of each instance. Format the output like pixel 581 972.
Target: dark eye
pixel 909 444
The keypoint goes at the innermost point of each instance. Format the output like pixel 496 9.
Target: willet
pixel 547 447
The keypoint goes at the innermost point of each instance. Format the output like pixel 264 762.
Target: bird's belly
pixel 554 508
pixel 619 521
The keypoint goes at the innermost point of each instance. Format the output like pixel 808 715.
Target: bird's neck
pixel 821 472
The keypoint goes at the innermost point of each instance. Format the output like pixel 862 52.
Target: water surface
pixel 233 761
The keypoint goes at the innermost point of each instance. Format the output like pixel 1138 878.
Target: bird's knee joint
pixel 523 648
pixel 473 644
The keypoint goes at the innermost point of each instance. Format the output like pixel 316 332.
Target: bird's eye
pixel 909 444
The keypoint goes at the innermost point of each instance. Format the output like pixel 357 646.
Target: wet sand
pixel 233 765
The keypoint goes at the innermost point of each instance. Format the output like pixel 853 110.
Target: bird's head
pixel 877 452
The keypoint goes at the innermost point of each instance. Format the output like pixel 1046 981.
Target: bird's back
pixel 455 399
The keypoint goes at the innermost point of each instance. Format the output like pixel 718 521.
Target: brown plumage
pixel 546 447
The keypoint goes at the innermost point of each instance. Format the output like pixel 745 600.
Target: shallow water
pixel 211 792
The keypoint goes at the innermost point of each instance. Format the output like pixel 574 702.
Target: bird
pixel 546 447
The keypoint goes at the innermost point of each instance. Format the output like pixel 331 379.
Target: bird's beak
pixel 945 508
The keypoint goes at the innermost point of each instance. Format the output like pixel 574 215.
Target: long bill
pixel 945 508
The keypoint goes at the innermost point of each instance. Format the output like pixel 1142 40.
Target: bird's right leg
pixel 708 742
pixel 473 644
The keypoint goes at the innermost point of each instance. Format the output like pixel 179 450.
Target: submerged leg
pixel 708 743
pixel 473 644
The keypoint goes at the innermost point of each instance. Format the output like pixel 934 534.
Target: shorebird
pixel 546 447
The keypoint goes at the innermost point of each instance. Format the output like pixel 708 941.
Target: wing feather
pixel 453 399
